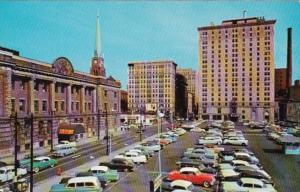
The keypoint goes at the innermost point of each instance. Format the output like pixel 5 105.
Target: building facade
pixel 192 86
pixel 66 104
pixel 151 84
pixel 181 96
pixel 237 69
pixel 280 82
pixel 124 101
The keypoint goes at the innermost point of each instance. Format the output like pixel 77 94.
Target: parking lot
pixel 284 169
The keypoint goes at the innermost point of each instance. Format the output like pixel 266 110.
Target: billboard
pixel 151 107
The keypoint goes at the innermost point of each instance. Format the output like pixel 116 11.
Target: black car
pixel 2 164
pixel 255 174
pixel 119 164
pixel 102 180
pixel 194 161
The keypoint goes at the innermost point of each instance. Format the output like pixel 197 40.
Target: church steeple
pixel 97 51
pixel 97 67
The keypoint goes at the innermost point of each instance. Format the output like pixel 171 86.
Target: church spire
pixel 97 52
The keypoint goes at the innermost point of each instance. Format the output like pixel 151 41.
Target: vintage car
pixel 246 184
pixel 180 131
pixel 110 175
pixel 236 141
pixel 83 184
pixel 179 186
pixel 41 162
pixel 103 181
pixel 7 173
pixel 120 164
pixel 62 150
pixel 193 175
pixel 216 140
pixel 151 146
pixel 135 157
pixel 68 143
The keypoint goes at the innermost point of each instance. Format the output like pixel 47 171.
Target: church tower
pixel 97 67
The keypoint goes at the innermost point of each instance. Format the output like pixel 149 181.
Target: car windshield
pixel 2 171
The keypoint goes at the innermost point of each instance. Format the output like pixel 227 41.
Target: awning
pixel 71 128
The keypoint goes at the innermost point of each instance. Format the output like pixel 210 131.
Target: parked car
pixel 140 152
pixel 236 141
pixel 197 160
pixel 180 186
pixel 246 157
pixel 2 164
pixel 104 171
pixel 103 181
pixel 246 184
pixel 245 163
pixel 180 131
pixel 40 163
pixel 120 164
pixel 198 153
pixel 62 150
pixel 210 140
pixel 223 166
pixel 229 175
pixel 152 146
pixel 68 143
pixel 135 157
pixel 193 175
pixel 7 173
pixel 84 184
pixel 241 168
pixel 198 130
pixel 257 175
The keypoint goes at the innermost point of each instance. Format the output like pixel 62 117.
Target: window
pixel 13 84
pixel 56 105
pixel 44 107
pixel 56 88
pixel 62 89
pixel 22 105
pixel 13 105
pixel 62 105
pixel 105 93
pixel 36 105
pixel 22 86
pixel 44 87
pixel 115 94
pixel 36 86
pixel 72 105
pixel 115 106
pixel 77 106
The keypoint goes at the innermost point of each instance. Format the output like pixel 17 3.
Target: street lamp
pixel 52 117
pixel 159 130
pixel 106 123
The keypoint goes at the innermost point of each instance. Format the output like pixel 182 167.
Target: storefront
pixel 70 131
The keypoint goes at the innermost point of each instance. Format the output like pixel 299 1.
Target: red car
pixel 193 175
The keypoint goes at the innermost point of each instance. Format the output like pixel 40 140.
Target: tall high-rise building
pixel 151 85
pixel 237 69
pixel 192 86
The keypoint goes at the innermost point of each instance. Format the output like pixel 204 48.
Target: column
pixel 52 96
pixel 94 104
pixel 31 95
pixel 68 99
pixel 82 95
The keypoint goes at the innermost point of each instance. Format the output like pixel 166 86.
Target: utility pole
pixel 141 124
pixel 107 139
pixel 99 118
pixel 31 153
pixel 16 149
pixel 52 116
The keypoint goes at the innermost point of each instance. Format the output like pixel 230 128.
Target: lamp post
pixel 16 149
pixel 31 152
pixel 52 117
pixel 159 130
pixel 141 123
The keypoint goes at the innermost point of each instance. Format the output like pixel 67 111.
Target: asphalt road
pixel 138 181
pixel 284 169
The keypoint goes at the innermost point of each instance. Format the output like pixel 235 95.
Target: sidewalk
pixel 46 150
pixel 46 184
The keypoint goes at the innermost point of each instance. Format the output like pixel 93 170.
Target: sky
pixel 133 30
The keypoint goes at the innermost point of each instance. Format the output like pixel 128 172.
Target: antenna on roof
pixel 244 14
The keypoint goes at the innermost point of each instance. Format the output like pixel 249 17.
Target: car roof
pixel 85 179
pixel 101 168
pixel 41 158
pixel 192 169
pixel 251 180
pixel 180 182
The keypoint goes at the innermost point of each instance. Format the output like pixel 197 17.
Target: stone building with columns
pixel 65 103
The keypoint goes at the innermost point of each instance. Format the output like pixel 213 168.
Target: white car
pixel 210 140
pixel 236 141
pixel 246 184
pixel 151 146
pixel 135 157
pixel 214 132
pixel 198 130
pixel 68 143
pixel 182 185
pixel 7 173
pixel 188 126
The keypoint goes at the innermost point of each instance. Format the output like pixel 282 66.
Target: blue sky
pixel 132 30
